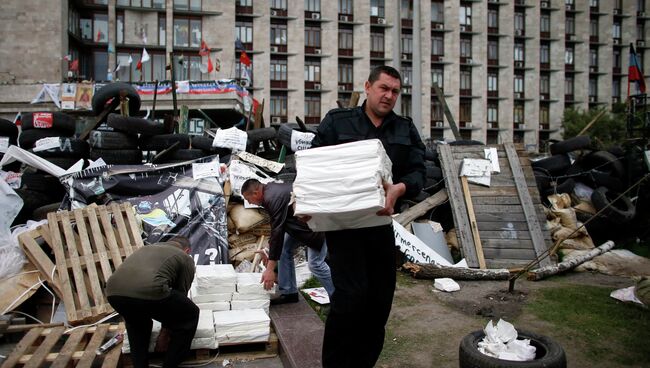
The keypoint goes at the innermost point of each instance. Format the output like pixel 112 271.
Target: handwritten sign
pixel 414 249
pixel 232 138
pixel 301 140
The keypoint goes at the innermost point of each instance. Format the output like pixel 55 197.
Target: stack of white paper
pixel 250 293
pixel 155 332
pixel 341 187
pixel 249 325
pixel 204 338
pixel 215 279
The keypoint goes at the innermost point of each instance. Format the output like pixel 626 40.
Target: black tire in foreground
pixel 133 125
pixel 8 129
pixel 49 120
pixel 118 157
pixel 619 212
pixel 549 354
pixel 112 90
pixel 27 138
pixel 68 147
pixel 164 141
pixel 554 165
pixel 112 140
pixel 571 144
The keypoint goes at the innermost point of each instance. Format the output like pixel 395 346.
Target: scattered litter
pixel 319 295
pixel 501 342
pixel 626 295
pixel 446 284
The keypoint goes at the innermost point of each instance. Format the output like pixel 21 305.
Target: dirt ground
pixel 426 326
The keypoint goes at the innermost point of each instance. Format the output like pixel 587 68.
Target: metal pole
pixel 397 50
pixel 416 91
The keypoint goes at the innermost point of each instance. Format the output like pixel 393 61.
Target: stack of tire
pixel 603 171
pixel 8 137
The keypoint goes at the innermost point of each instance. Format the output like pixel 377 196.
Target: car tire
pixel 8 129
pixel 112 90
pixel 556 164
pixel 117 157
pixel 27 138
pixel 68 147
pixel 571 144
pixel 133 125
pixel 164 141
pixel 619 212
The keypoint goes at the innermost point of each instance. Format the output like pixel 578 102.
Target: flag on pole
pixel 238 45
pixel 204 50
pixel 74 65
pixel 244 59
pixel 245 76
pixel 67 57
pixel 635 74
pixel 143 59
pixel 210 66
pixel 130 60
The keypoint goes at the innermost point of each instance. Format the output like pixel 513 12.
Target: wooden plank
pixel 507 263
pixel 21 348
pixel 98 241
pixel 492 192
pixel 83 307
pixel 132 224
pixel 505 233
pixel 108 230
pixel 91 269
pixel 123 236
pixel 523 254
pixel 472 222
pixel 458 207
pixel 65 354
pixel 531 217
pixel 503 200
pixel 112 358
pixel 95 342
pixel 500 225
pixel 508 243
pixel 39 259
pixel 494 208
pixel 44 348
pixel 499 216
pixel 62 266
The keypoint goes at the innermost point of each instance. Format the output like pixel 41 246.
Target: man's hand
pixel 268 276
pixel 393 191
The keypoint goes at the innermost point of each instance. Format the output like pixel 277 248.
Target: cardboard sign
pixel 301 140
pixel 414 249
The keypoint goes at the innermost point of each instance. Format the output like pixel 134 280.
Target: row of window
pixel 194 5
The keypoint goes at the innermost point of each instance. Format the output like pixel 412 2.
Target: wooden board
pixel 54 347
pixel 88 245
pixel 509 215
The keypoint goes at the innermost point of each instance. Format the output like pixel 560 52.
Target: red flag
pixel 244 59
pixel 99 35
pixel 204 50
pixel 74 65
pixel 210 66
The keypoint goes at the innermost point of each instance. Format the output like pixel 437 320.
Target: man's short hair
pixel 389 70
pixel 181 241
pixel 250 185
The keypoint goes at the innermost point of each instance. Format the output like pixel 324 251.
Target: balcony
pixel 282 13
pixel 407 23
pixel 346 52
pixel 346 18
pixel 435 26
pixel 312 86
pixel 279 84
pixel 243 10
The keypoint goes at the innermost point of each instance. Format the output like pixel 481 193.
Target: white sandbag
pixel 214 306
pixel 446 284
pixel 209 298
pixel 215 279
pixel 204 343
pixel 205 327
pixel 246 219
pixel 248 325
pixel 250 283
pixel 251 304
pixel 257 335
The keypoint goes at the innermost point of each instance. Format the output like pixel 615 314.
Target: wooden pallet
pixel 88 245
pixel 52 347
pixel 509 218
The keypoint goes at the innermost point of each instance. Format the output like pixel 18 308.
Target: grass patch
pixel 400 346
pixel 321 310
pixel 611 330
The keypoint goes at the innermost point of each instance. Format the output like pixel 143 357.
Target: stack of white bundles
pixel 341 187
pixel 212 302
pixel 249 325
pixel 155 332
pixel 215 279
pixel 204 337
pixel 250 293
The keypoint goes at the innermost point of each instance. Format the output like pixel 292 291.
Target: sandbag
pixel 246 219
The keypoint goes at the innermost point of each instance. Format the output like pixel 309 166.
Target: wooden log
pixel 561 267
pixel 433 271
pixel 421 208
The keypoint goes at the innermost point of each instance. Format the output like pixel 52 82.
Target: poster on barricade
pixel 166 199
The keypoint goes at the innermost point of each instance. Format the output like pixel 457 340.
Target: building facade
pixel 507 69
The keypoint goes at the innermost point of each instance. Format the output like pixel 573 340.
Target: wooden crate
pixel 509 217
pixel 53 347
pixel 88 245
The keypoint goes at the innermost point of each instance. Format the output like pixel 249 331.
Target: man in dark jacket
pixel 275 198
pixel 363 260
pixel 152 283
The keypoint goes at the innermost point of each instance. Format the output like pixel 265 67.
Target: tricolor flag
pixel 635 74
pixel 143 59
pixel 204 50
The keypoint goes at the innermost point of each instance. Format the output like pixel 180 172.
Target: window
pixel 465 15
pixel 493 82
pixel 544 116
pixel 492 113
pixel 278 105
pixel 312 71
pixel 312 36
pixel 86 27
pixel 279 4
pixel 100 29
pixel 570 26
pixel 278 70
pixel 312 106
pixel 244 31
pixel 544 84
pixel 407 44
pixel 545 54
pixel 407 75
pixel 194 5
pixel 345 73
pixel 158 4
pixel 465 108
pixel 245 3
pixel 545 23
pixel 278 34
pixel 100 63
pixel 593 3
pixel 518 114
pixel 406 106
pixel 406 10
pixel 377 8
pixel 437 12
pixel 437 76
pixel 346 39
pixel 465 80
pixel 346 7
pixel 159 64
pixel 593 57
pixel 640 5
pixel 376 42
pixel 568 85
pixel 640 31
pixel 119 31
pixel 616 88
pixel 244 72
pixel 437 45
pixel 493 18
pixel 593 28
pixel 568 2
pixel 519 22
pixel 493 51
pixel 593 87
pixel 189 69
pixel 616 61
pixel 187 32
pixel 519 83
pixel 616 30
pixel 437 112
pixel 519 52
pixel 312 5
pixel 466 47
pixel 162 34
pixel 568 55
